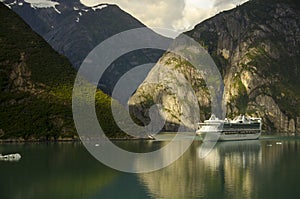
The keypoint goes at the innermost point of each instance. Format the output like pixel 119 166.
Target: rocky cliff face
pixel 172 84
pixel 256 48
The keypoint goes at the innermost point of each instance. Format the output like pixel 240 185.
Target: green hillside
pixel 36 87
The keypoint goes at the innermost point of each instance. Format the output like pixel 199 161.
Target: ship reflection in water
pixel 238 169
pixel 235 163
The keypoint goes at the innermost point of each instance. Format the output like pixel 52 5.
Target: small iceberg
pixel 10 157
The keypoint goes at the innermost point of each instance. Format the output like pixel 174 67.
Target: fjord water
pixel 267 168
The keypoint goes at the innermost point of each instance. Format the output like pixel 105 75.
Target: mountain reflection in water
pixel 267 168
pixel 239 169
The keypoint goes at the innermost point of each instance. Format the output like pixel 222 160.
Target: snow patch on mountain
pixel 9 4
pixel 43 4
pixel 99 7
pixel 78 17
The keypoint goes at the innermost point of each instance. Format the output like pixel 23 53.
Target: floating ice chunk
pixel 10 157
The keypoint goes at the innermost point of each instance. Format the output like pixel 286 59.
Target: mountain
pixel 36 87
pixel 74 29
pixel 256 48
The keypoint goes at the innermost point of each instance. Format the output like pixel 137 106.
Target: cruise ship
pixel 240 128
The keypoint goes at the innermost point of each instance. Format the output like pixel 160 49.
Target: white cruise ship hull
pixel 241 128
pixel 222 136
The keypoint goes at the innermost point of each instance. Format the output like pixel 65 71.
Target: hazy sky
pixel 177 15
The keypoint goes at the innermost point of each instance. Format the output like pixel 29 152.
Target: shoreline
pixel 77 139
pixel 18 140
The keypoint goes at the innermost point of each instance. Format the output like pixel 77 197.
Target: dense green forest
pixel 36 87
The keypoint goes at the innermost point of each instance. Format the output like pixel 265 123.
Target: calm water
pixel 269 168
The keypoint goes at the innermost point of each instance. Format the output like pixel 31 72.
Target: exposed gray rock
pixel 20 79
pixel 298 125
pixel 168 86
pixel 292 127
pixel 256 47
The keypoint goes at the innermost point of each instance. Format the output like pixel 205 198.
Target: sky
pixel 170 17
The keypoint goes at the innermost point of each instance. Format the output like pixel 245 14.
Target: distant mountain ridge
pixel 36 86
pixel 74 29
pixel 256 47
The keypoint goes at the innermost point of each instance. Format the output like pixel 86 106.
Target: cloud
pixel 196 11
pixel 228 3
pixel 151 12
pixel 178 15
